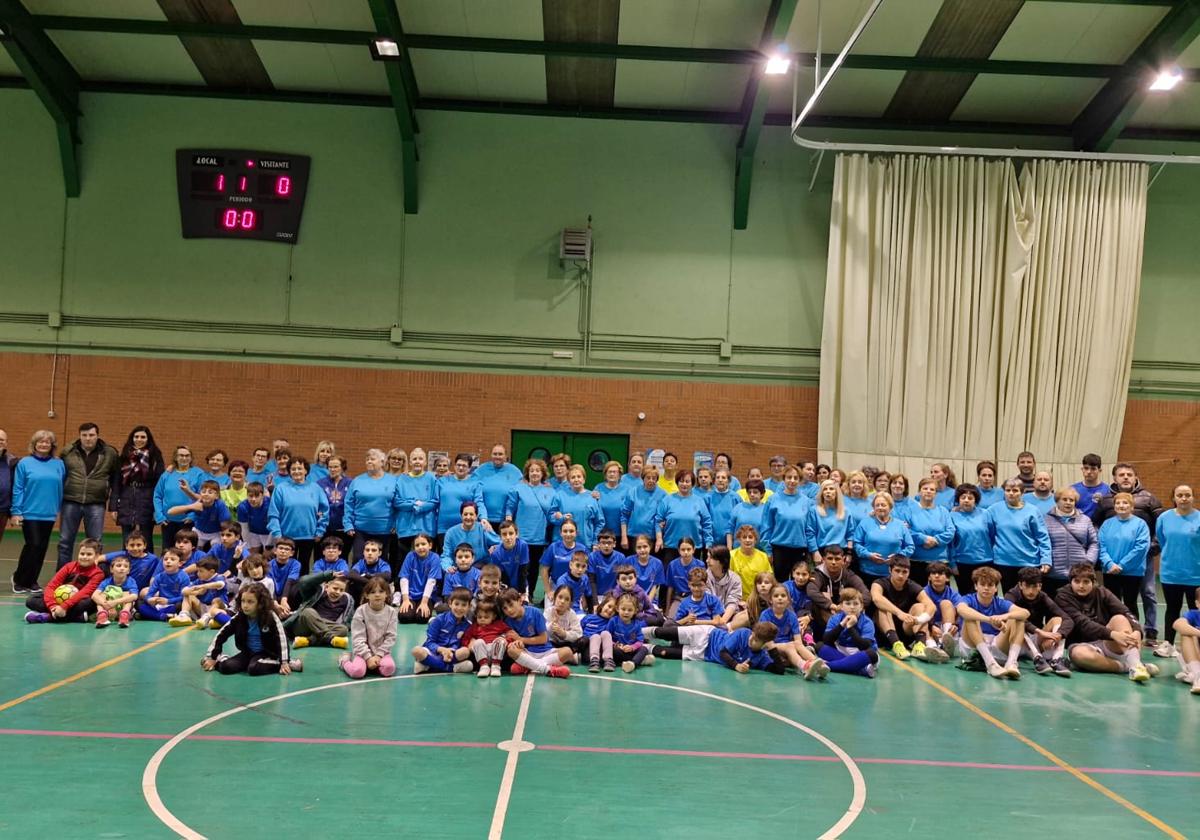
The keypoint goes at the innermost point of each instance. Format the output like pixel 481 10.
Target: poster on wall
pixel 654 457
pixel 702 459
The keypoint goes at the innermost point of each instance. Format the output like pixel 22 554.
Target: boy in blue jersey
pixel 204 597
pixel 528 644
pixel 253 515
pixel 1187 644
pixel 848 641
pixel 464 575
pixel 208 512
pixel 943 629
pixel 740 650
pixel 1047 627
pixel 284 570
pixel 116 594
pixel 648 568
pixel 512 555
pixel 902 609
pixel 678 571
pixel 371 564
pixel 165 593
pixel 576 580
pixel 603 562
pixel 992 627
pixel 142 565
pixel 186 542
pixel 331 559
pixel 229 549
pixel 441 651
pixel 700 607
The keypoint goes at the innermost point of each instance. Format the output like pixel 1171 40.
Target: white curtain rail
pixel 965 151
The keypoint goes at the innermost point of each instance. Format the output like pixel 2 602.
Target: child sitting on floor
pixel 203 597
pixel 576 579
pixel 699 606
pixel 723 583
pixel 165 593
pixel 596 640
pixel 528 645
pixel 1187 633
pixel 68 595
pixel 331 559
pixel 848 643
pixel 420 575
pixel 629 645
pixel 116 594
pixel 258 636
pixel 788 647
pixel 439 652
pixel 324 613
pixel 485 638
pixel 372 633
pixel 993 627
pixel 562 621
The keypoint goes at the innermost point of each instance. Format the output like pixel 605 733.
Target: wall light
pixel 1167 79
pixel 385 49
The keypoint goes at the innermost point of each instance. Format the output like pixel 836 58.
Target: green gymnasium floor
pixel 142 743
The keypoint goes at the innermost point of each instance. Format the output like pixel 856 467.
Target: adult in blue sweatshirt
pixel 469 531
pixel 575 502
pixel 528 505
pixel 932 529
pixel 1178 533
pixel 879 537
pixel 683 514
pixel 640 508
pixel 299 510
pixel 370 505
pixel 788 525
pixel 416 506
pixel 169 493
pixel 495 478
pixel 971 546
pixel 1019 535
pixel 1124 547
pixel 37 495
pixel 453 490
pixel 721 502
pixel 611 495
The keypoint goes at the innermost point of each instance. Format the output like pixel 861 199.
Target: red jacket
pixel 486 632
pixel 85 579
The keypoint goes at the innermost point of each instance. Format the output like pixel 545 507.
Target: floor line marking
pixel 1042 751
pixel 510 763
pixel 87 672
pixel 488 745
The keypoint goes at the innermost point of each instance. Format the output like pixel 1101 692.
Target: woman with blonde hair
pixel 37 497
pixel 320 462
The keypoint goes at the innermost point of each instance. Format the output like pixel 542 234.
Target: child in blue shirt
pixel 284 571
pixel 371 564
pixel 165 593
pixel 464 575
pixel 530 650
pixel 677 572
pixel 557 557
pixel 596 641
pixel 797 590
pixel 788 644
pixel 848 642
pixel 740 650
pixel 253 515
pixel 116 594
pixel 228 550
pixel 648 568
pixel 441 650
pixel 208 512
pixel 142 565
pixel 419 578
pixel 993 626
pixel 331 559
pixel 576 580
pixel 1187 642
pixel 203 597
pixel 629 645
pixel 602 562
pixel 700 606
pixel 943 630
pixel 512 555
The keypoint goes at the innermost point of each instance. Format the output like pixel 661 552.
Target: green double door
pixel 591 450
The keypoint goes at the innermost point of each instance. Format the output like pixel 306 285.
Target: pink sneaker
pixel 123 619
pixel 518 670
pixel 559 671
pixel 102 619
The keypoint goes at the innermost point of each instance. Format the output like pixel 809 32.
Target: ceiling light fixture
pixel 1167 79
pixel 385 49
pixel 778 63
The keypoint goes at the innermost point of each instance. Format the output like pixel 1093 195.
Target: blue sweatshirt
pixel 255 518
pixel 1179 537
pixel 416 504
pixel 335 495
pixel 528 506
pixel 787 626
pixel 602 567
pixel 639 510
pixel 871 537
pixel 445 630
pixel 557 557
pixel 1019 536
pixel 708 607
pixel 788 521
pixel 583 510
pixel 944 498
pixel 479 538
pixel 169 586
pixel 316 473
pixel 626 634
pixel 261 476
pixel 580 588
pixel 611 500
pixel 451 493
pixel 38 488
pixel 299 511
pixel 972 543
pixel 1124 543
pixel 865 628
pixel 935 522
pixel 745 513
pixel 227 557
pixel 856 508
pixel 720 511
pixel 737 645
pixel 468 580
pixel 417 572
pixel 167 493
pixel 495 484
pixel 1044 505
pixel 369 505
pixel 830 530
pixel 281 573
pixel 677 574
pixel 990 497
pixel 593 624
pixel 531 623
pixel 510 561
pixel 682 516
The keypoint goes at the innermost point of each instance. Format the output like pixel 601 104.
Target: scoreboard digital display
pixel 239 194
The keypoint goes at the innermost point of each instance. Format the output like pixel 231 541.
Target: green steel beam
pixel 52 78
pixel 387 24
pixel 754 110
pixel 512 46
pixel 1110 110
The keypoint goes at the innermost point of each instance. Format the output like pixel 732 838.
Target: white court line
pixel 514 746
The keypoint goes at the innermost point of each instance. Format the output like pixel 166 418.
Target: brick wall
pixel 238 406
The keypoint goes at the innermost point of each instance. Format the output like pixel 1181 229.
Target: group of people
pixel 706 555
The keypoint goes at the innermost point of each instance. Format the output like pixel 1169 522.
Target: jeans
pixel 92 517
pixel 1150 599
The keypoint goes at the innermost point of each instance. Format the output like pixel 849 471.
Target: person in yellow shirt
pixel 666 479
pixel 747 560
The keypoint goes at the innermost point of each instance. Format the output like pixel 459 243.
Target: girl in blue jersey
pixel 931 527
pixel 1178 533
pixel 420 577
pixel 640 507
pixel 629 645
pixel 1124 546
pixel 556 560
pixel 651 576
pixel 528 505
pixel 453 490
pixel 848 643
pixel 1019 535
pixel 788 644
pixel 610 496
pixel 683 514
pixel 573 502
pixel 878 537
pixel 678 571
pixel 834 522
pixel 788 524
pixel 971 546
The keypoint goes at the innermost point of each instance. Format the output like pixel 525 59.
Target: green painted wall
pixel 473 279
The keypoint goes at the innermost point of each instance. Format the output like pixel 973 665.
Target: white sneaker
pixel 1152 669
pixel 1164 649
pixel 997 670
pixel 420 667
pixel 1139 674
pixel 1184 677
pixel 484 672
pixel 627 666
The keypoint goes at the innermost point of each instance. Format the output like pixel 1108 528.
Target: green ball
pixel 64 592
pixel 112 593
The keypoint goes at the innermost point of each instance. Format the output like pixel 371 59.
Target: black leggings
pixel 965 585
pixel 530 572
pixel 1176 595
pixel 304 553
pixel 33 554
pixel 411 616
pixel 1126 587
pixel 360 539
pixel 37 603
pixel 169 530
pixel 254 664
pixel 784 558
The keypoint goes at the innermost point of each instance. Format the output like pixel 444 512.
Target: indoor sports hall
pixel 637 317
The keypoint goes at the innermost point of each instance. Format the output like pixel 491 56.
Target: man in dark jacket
pixel 1147 508
pixel 92 468
pixel 8 464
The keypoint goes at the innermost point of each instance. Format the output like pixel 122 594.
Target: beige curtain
pixel 971 312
